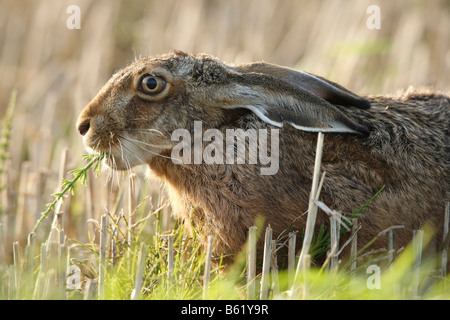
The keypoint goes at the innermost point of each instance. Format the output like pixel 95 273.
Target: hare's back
pixel 411 134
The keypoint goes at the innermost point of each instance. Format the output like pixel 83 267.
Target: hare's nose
pixel 83 128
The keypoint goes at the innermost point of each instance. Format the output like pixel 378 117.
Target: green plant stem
pixel 79 174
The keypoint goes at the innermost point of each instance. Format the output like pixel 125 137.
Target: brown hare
pixel 188 116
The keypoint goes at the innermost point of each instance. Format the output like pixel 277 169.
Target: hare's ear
pixel 279 95
pixel 323 88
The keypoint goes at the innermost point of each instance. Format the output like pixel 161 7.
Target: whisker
pixel 137 119
pixel 133 153
pixel 114 166
pixel 130 173
pixel 145 143
pixel 121 149
pixel 198 118
pixel 133 141
pixel 150 131
pixel 127 163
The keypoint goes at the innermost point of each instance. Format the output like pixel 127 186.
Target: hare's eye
pixel 152 84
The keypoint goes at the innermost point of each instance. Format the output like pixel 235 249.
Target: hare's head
pixel 134 114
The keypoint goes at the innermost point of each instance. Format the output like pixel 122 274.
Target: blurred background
pixel 56 71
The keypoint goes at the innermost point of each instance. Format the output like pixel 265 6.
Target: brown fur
pixel 407 150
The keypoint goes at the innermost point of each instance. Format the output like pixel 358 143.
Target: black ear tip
pixel 361 129
pixel 363 104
